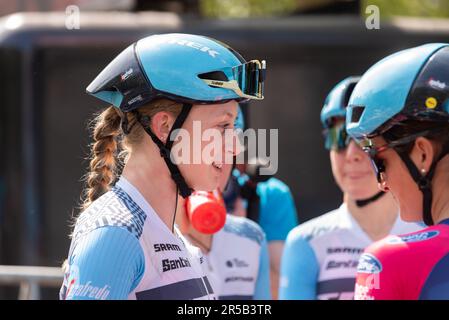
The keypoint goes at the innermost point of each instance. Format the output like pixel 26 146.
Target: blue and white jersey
pixel 320 256
pixel 238 263
pixel 121 249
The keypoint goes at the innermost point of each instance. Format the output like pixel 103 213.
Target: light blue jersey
pixel 238 263
pixel 121 249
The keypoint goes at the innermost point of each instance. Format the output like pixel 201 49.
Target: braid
pixel 104 161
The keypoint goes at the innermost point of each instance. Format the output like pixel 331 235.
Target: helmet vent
pixel 357 114
pixel 214 75
pixel 348 92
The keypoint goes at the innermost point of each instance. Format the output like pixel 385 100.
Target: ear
pixel 161 124
pixel 423 153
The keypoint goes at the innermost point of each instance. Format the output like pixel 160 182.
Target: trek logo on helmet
pixel 190 44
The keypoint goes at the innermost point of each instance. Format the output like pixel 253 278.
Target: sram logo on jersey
pixel 166 247
pixel 416 237
pixel 345 250
pixel 168 264
pixel 369 264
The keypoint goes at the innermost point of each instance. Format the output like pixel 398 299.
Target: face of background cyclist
pixel 401 185
pixel 207 175
pixel 353 172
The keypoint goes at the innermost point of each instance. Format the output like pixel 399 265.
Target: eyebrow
pixel 229 114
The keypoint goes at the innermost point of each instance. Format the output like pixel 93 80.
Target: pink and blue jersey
pixel 407 267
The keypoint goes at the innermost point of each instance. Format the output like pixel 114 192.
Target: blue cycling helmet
pixel 184 68
pixel 337 101
pixel 336 137
pixel 412 84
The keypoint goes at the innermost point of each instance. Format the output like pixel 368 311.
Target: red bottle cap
pixel 206 211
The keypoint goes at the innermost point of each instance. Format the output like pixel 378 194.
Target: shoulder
pixel 398 249
pixel 113 209
pixel 245 228
pixel 316 227
pixel 273 186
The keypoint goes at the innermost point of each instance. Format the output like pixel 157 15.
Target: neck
pixel 148 172
pixel 198 239
pixel 377 218
pixel 440 185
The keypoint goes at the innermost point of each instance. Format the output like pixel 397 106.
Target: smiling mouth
pixel 356 175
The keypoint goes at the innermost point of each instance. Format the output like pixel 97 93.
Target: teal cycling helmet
pixel 412 84
pixel 184 68
pixel 337 101
pixel 334 108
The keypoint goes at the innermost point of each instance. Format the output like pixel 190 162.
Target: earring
pixel 423 171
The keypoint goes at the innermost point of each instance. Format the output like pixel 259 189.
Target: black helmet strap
pixel 364 202
pixel 424 182
pixel 165 149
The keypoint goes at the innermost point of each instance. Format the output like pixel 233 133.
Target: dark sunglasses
pixel 336 137
pixel 367 146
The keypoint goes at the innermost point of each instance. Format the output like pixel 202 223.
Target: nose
pixel 353 152
pixel 232 143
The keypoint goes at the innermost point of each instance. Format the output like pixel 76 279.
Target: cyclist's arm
pixel 262 290
pixel 299 270
pixel 107 263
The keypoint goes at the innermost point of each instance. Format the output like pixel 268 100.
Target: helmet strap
pixel 165 149
pixel 364 202
pixel 424 182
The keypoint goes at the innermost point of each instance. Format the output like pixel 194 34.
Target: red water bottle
pixel 206 211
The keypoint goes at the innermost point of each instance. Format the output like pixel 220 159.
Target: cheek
pixel 337 163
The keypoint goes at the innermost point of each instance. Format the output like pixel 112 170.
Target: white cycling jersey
pixel 121 249
pixel 238 262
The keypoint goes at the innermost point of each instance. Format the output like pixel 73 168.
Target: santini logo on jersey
pixel 168 264
pixel 416 237
pixel 369 264
pixel 166 247
pixel 349 264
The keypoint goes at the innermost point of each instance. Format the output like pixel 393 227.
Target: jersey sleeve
pixel 106 264
pixel 262 289
pixel 299 269
pixel 278 213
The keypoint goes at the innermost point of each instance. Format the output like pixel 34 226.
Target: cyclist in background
pixel 320 256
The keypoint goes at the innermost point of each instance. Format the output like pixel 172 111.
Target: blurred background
pixel 48 56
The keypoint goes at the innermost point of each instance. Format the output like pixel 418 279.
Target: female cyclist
pixel 125 244
pixel 399 113
pixel 320 256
